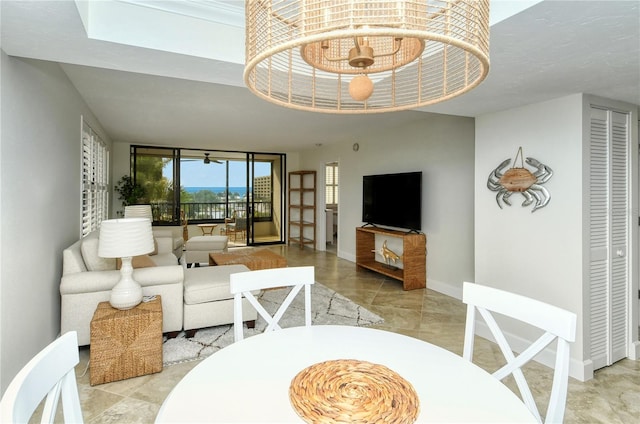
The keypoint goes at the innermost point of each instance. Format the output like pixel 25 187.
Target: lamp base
pixel 125 298
pixel 127 293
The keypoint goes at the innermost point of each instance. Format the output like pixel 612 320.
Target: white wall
pixel 537 254
pixel 40 211
pixel 442 148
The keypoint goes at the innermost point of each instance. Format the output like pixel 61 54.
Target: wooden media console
pixel 414 256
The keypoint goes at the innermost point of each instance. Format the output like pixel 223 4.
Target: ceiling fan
pixel 206 160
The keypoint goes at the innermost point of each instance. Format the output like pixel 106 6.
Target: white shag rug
pixel 327 307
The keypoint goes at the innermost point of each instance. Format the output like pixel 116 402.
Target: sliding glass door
pixel 241 192
pixel 266 201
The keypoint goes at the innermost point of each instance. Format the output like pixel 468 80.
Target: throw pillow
pixel 89 249
pixel 142 261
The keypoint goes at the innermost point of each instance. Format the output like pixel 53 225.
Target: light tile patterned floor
pixel 613 396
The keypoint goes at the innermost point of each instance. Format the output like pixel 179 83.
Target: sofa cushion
pixel 207 284
pixel 89 249
pixel 165 259
pixel 207 243
pixel 142 261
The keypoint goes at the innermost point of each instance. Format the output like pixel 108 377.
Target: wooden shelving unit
pixel 414 256
pixel 302 208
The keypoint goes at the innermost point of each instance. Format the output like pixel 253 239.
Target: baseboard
pixel 347 256
pixel 587 370
pixel 635 351
pixel 453 290
pixel 580 370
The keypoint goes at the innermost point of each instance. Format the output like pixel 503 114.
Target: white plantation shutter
pixel 609 232
pixel 331 183
pixel 95 177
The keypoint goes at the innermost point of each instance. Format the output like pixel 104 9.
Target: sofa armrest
pixel 165 243
pixel 96 281
pixel 162 232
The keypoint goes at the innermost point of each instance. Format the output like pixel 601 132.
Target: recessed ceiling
pixel 145 95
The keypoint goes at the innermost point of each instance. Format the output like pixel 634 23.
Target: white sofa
pixel 191 298
pixel 197 248
pixel 87 280
pixel 208 301
pixel 167 236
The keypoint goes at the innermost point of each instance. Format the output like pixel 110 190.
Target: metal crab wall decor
pixel 521 180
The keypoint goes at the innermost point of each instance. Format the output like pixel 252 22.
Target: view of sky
pixel 199 174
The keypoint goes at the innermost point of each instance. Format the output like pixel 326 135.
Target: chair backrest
pixel 50 374
pixel 557 324
pixel 243 283
pixel 241 224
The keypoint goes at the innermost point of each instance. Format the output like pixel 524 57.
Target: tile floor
pixel 613 396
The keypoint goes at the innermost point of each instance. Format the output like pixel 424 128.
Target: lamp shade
pixel 125 237
pixel 138 211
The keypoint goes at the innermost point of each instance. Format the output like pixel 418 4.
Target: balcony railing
pixel 210 212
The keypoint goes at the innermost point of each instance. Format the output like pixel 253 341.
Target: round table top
pixel 249 381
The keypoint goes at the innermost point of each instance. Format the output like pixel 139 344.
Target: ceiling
pixel 151 96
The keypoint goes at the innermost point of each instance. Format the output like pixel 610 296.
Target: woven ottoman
pixel 125 344
pixel 197 249
pixel 207 299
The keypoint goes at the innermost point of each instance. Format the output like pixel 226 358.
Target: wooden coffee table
pixel 253 259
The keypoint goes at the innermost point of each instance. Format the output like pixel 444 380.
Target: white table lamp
pixel 124 238
pixel 138 211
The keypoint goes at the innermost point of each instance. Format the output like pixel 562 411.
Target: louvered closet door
pixel 609 235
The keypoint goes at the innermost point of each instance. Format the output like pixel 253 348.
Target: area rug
pixel 327 308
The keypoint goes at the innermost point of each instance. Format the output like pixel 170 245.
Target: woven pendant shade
pixel 303 54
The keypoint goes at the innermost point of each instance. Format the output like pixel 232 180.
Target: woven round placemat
pixel 353 391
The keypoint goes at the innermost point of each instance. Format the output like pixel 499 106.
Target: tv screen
pixel 393 200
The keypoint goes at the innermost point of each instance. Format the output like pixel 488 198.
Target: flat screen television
pixel 393 200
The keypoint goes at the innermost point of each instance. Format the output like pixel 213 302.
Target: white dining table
pixel 248 381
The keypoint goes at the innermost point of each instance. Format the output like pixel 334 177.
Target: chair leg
pixel 251 324
pixel 190 333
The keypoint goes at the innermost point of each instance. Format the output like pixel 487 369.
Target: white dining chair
pixel 243 283
pixel 558 324
pixel 50 374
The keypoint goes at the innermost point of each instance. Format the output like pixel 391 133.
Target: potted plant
pixel 130 192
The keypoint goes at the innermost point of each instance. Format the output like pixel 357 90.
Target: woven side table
pixel 125 344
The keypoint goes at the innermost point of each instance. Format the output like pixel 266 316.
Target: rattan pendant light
pixel 365 56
